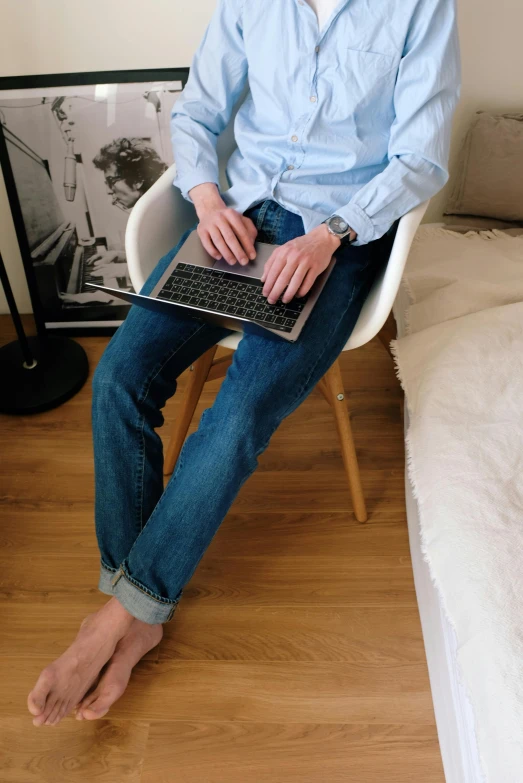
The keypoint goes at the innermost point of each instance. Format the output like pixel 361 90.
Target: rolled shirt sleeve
pixel 426 93
pixel 217 76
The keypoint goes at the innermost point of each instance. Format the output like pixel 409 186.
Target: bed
pixel 487 194
pixel 454 717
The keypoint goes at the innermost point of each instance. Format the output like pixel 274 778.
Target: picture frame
pixel 77 150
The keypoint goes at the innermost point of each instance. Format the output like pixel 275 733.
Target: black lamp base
pixel 60 370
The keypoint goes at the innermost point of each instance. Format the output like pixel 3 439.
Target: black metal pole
pixel 24 345
pixel 18 220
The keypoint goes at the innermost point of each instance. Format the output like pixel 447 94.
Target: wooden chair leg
pixel 322 386
pixel 334 387
pixel 197 377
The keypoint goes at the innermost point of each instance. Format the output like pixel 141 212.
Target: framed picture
pixel 77 151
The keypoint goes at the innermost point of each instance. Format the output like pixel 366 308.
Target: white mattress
pixel 454 716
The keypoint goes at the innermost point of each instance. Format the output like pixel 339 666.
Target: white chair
pixel 155 225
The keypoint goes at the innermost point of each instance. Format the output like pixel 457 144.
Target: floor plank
pixel 232 752
pixel 260 691
pixel 60 531
pixel 43 628
pixel 101 751
pixel 368 635
pixel 287 580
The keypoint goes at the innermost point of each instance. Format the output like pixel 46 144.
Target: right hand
pixel 224 232
pixel 103 257
pixel 87 297
pixel 110 270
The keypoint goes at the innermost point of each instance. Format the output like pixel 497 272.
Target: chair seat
pixel 232 341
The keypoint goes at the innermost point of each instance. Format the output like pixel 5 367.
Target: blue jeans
pixel 151 539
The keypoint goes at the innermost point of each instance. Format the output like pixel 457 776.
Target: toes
pixel 35 704
pixel 87 703
pixel 64 709
pixel 36 701
pixel 98 709
pixel 100 706
pixel 68 709
pixel 53 715
pixel 83 704
pixel 49 707
pixel 88 699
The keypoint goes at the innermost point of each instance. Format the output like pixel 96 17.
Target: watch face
pixel 338 225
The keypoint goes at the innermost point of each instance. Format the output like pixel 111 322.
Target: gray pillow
pixel 490 176
pixel 475 222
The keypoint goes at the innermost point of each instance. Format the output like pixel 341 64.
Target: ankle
pixel 120 617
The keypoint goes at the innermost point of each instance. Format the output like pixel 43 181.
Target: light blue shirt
pixel 353 120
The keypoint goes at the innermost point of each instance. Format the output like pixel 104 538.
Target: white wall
pixel 58 36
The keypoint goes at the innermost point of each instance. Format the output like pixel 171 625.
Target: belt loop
pixel 117 576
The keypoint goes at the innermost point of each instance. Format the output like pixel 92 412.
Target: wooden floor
pixel 295 655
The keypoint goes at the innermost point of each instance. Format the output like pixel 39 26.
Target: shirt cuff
pixel 197 177
pixel 359 221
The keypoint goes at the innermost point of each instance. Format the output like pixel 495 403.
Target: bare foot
pixel 135 644
pixel 65 681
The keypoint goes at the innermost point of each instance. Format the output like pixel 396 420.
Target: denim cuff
pixel 139 602
pixel 117 583
pixel 104 582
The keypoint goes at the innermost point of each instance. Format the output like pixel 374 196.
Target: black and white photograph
pixel 81 155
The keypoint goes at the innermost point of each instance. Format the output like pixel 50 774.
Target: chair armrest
pixel 156 224
pixel 379 302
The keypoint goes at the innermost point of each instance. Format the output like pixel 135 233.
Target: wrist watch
pixel 340 228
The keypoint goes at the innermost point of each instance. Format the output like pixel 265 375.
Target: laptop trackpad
pixel 253 268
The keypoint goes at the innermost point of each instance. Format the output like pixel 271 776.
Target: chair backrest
pixel 162 215
pixel 381 297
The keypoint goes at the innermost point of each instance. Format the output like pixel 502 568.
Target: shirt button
pixel 316 48
pixel 313 99
pixel 290 167
pixel 294 138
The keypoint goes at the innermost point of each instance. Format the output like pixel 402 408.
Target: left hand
pixel 296 264
pixel 111 270
pixel 103 257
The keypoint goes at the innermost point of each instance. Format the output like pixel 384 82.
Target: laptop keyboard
pixel 230 293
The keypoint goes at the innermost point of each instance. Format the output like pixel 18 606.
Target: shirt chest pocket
pixel 369 75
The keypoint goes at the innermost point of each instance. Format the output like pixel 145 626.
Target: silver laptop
pixel 199 286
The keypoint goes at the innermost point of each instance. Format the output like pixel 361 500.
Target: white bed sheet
pixel 454 716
